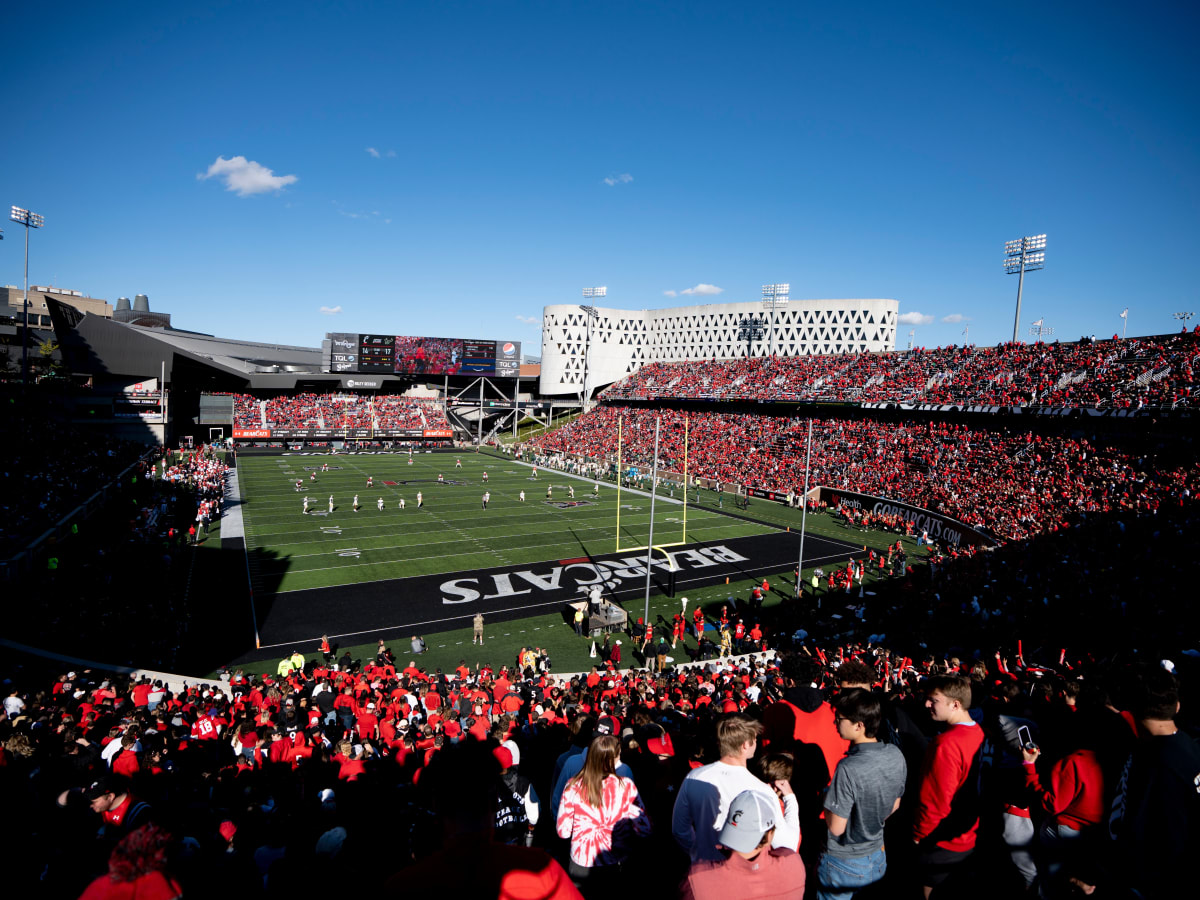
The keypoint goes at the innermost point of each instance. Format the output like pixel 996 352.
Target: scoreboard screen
pixel 408 355
pixel 376 352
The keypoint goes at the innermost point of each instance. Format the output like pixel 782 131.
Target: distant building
pixel 622 341
pixel 12 299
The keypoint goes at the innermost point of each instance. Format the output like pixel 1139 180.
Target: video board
pixel 411 355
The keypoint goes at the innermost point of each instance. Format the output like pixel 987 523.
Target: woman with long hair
pixel 600 812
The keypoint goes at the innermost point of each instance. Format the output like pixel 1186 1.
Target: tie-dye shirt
pixel 600 837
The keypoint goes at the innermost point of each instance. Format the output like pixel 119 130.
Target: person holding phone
pixel 1072 797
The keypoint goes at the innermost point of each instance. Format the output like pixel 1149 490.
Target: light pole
pixel 750 329
pixel 1023 255
pixel 589 293
pixel 1182 317
pixel 804 514
pixel 774 295
pixel 29 220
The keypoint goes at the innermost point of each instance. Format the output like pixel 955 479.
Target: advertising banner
pixel 941 528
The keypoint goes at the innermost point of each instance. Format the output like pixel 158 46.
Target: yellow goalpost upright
pixel 658 545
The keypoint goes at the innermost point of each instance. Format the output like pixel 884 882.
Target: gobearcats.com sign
pixel 941 528
pixel 572 576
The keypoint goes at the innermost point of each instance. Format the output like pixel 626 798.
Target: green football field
pixel 451 532
pixel 288 551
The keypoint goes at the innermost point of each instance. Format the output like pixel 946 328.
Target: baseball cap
pixel 660 745
pixel 607 725
pixel 109 784
pixel 751 815
pixel 504 757
pixel 512 748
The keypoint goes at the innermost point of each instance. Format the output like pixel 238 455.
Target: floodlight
pixel 29 220
pixel 26 218
pixel 773 295
pixel 1020 256
pixel 587 345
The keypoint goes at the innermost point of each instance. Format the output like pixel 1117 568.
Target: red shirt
pixel 945 773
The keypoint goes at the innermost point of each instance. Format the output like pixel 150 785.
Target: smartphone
pixel 1024 738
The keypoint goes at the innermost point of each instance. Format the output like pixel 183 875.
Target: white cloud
pixel 530 320
pixel 914 318
pixel 329 310
pixel 246 177
pixel 670 293
pixel 955 318
pixel 373 152
pixel 703 290
pixel 614 180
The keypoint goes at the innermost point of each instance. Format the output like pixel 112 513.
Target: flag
pixel 1038 323
pixel 1125 313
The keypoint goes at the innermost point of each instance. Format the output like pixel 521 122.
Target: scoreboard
pixel 379 354
pixel 376 353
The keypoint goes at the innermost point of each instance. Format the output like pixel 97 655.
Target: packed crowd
pixel 428 356
pixel 337 411
pixel 1157 372
pixel 50 468
pixel 832 768
pixel 1012 482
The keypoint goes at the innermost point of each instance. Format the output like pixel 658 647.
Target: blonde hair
pixel 734 731
pixel 601 762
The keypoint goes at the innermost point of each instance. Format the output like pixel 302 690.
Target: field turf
pixel 335 572
pixel 291 551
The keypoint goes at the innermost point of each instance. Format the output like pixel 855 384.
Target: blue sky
pixel 450 168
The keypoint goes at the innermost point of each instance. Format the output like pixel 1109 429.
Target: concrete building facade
pixel 622 341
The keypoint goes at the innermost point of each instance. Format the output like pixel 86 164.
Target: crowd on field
pixel 1132 373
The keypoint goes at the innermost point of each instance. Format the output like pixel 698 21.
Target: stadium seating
pixel 1099 374
pixel 1010 481
pixel 337 411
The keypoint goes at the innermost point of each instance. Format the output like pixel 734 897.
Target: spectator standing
pixel 1156 812
pixel 705 795
pixel 599 812
pixel 753 869
pixel 947 813
pixel 866 789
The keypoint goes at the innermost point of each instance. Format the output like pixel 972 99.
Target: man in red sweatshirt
pixel 947 814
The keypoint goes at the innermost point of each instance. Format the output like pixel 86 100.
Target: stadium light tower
pixel 1178 317
pixel 29 220
pixel 588 294
pixel 773 297
pixel 1040 330
pixel 750 329
pixel 1023 255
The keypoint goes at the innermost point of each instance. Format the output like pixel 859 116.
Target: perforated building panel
pixel 622 341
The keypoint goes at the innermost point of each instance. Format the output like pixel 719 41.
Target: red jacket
pixel 1075 797
pixel 948 805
